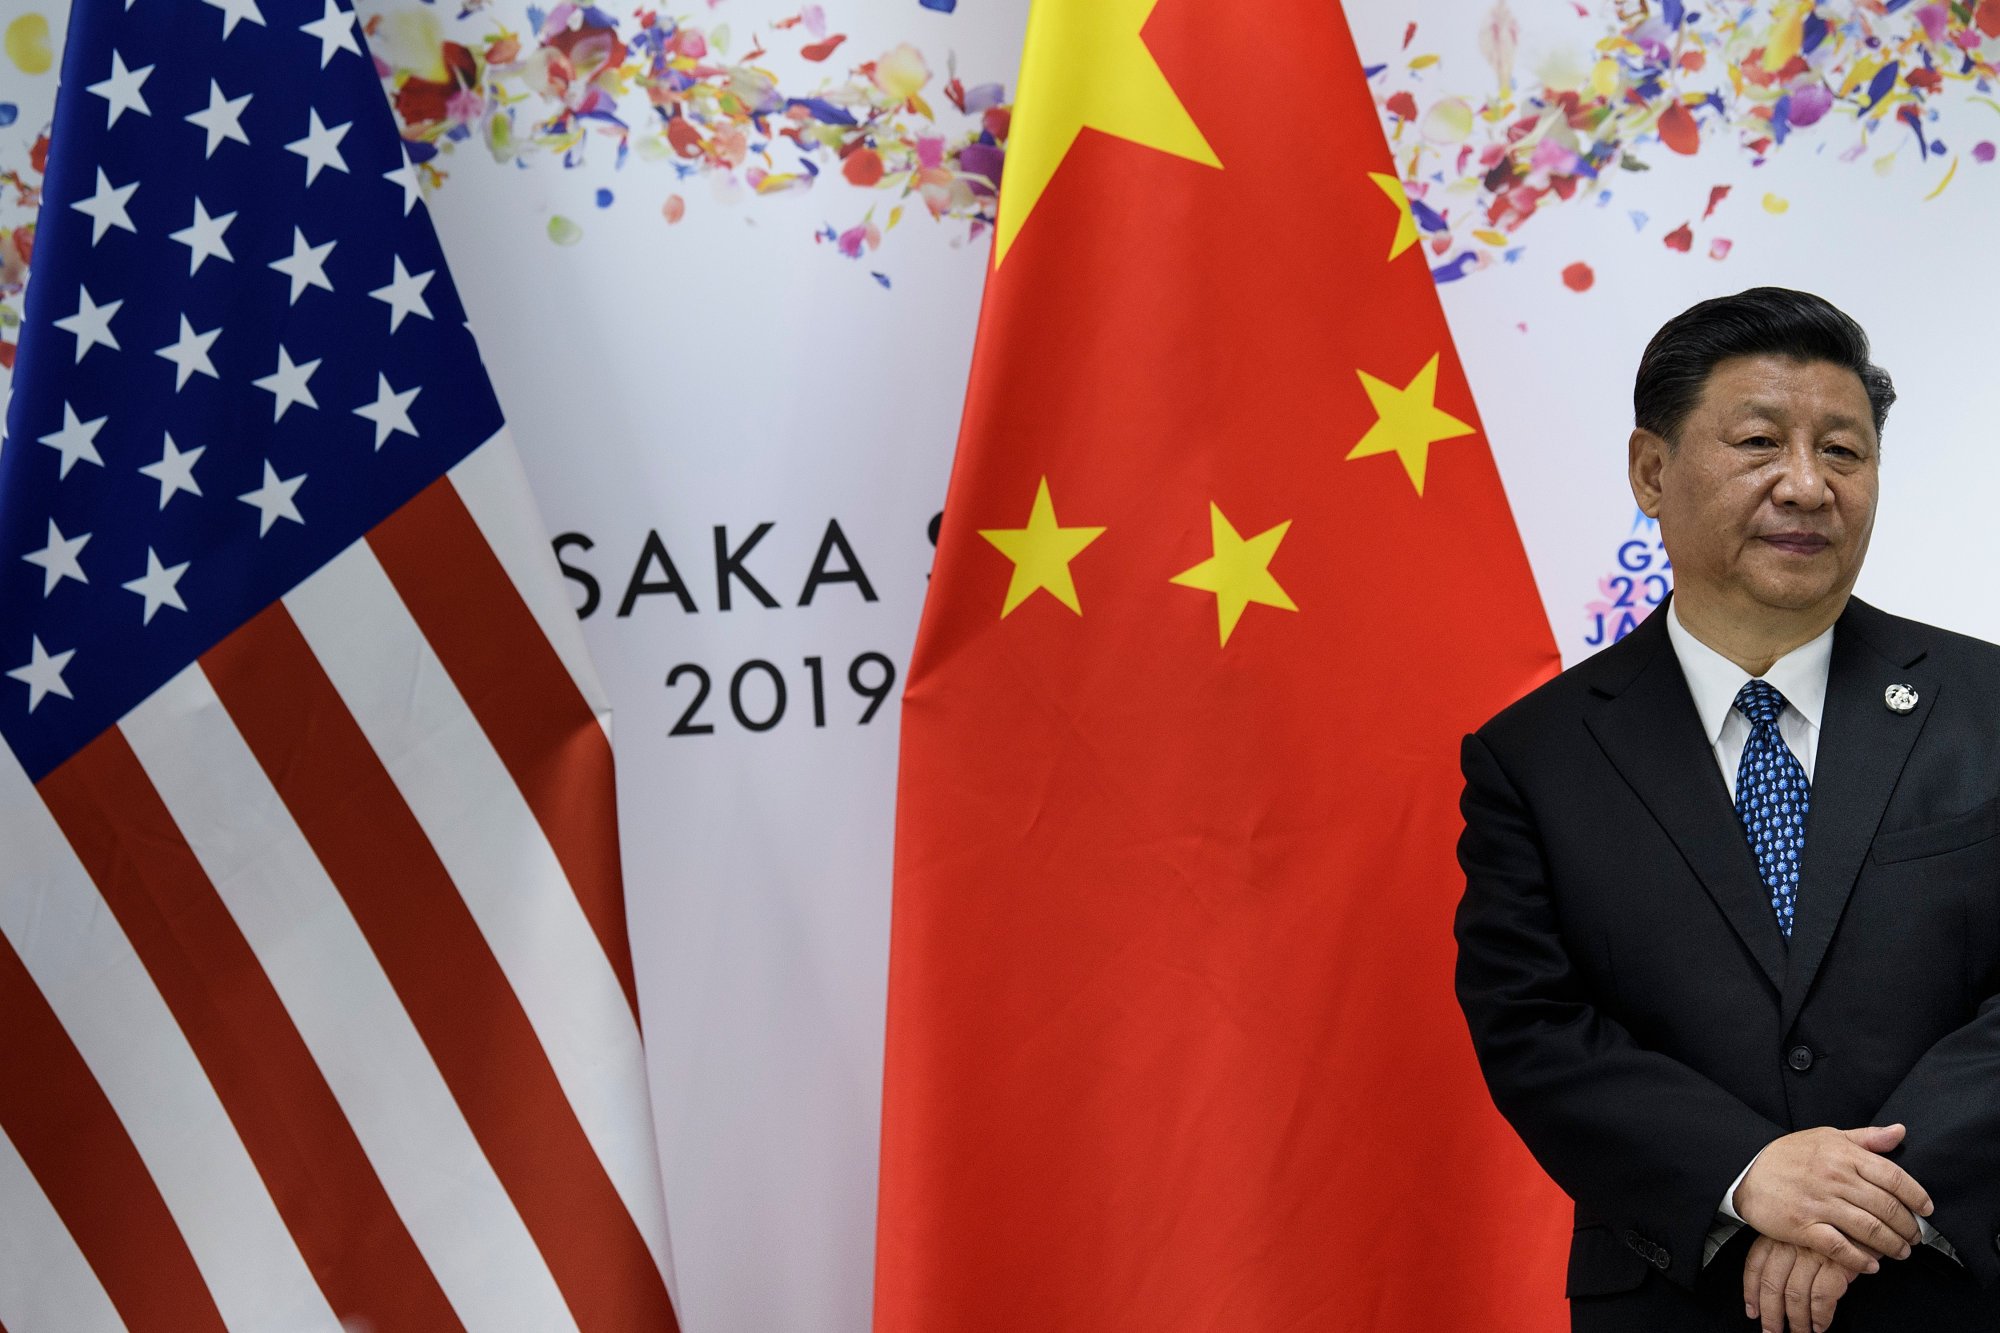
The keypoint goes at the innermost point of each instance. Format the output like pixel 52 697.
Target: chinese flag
pixel 1226 571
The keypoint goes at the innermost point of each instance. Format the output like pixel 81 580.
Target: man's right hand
pixel 1831 1191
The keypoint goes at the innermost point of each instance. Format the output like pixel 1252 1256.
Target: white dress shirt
pixel 1714 681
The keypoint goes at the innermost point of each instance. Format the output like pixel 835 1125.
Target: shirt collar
pixel 1714 680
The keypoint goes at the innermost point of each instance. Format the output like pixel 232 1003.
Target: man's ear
pixel 1647 456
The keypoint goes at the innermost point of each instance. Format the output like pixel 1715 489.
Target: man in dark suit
pixel 1730 941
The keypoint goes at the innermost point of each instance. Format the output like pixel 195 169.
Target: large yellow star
pixel 1085 65
pixel 1408 421
pixel 1406 222
pixel 1041 553
pixel 1239 572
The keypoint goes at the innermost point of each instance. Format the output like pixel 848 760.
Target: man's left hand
pixel 1784 1282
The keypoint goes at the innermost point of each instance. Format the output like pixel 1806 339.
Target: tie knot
pixel 1760 702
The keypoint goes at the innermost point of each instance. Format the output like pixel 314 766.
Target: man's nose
pixel 1801 476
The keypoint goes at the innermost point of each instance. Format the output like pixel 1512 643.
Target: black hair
pixel 1764 321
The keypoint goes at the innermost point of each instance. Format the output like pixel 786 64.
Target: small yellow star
pixel 1408 421
pixel 1239 572
pixel 1084 64
pixel 1406 222
pixel 1041 553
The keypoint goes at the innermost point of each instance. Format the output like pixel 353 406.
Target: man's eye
pixel 1842 450
pixel 1759 442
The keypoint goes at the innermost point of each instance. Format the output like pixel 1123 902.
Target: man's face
pixel 1769 498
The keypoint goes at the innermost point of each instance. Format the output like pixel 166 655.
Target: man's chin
pixel 1800 596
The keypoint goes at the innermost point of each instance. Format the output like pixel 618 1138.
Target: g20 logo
pixel 1627 596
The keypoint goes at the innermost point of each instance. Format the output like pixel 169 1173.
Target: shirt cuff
pixel 1935 1239
pixel 1727 1220
pixel 1718 1236
pixel 1727 1207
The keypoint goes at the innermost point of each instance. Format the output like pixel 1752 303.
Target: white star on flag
pixel 158 585
pixel 321 147
pixel 404 295
pixel 273 500
pixel 189 353
pixel 405 176
pixel 335 31
pixel 43 674
pixel 222 118
pixel 121 91
pixel 390 411
pixel 203 237
pixel 175 470
pixel 58 558
pixel 106 208
pixel 77 439
pixel 235 11
pixel 287 384
pixel 306 265
pixel 91 323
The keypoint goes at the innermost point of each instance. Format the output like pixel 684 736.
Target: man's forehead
pixel 1787 387
pixel 1785 409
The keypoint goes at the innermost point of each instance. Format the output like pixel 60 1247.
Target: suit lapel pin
pixel 1900 698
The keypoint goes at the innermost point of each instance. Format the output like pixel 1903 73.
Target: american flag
pixel 316 1003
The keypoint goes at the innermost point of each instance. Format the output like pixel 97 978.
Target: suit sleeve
pixel 1634 1136
pixel 1950 1101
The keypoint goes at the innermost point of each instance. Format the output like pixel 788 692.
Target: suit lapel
pixel 1862 750
pixel 1647 725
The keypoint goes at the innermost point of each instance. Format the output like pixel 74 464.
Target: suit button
pixel 1801 1058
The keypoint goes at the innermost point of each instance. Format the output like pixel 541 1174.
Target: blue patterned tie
pixel 1771 798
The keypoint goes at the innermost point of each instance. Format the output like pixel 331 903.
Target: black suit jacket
pixel 1639 1018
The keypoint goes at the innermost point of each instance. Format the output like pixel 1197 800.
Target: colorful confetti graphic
pixel 20 201
pixel 26 82
pixel 656 91
pixel 1873 80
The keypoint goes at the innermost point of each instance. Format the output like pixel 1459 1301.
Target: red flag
pixel 1226 571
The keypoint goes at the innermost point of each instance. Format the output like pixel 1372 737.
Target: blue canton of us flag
pixel 241 350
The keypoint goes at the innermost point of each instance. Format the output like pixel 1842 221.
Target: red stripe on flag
pixel 63 1126
pixel 430 947
pixel 522 694
pixel 292 1126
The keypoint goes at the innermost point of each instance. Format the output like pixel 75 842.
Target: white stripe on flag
pixel 496 853
pixel 46 1285
pixel 95 983
pixel 304 936
pixel 495 490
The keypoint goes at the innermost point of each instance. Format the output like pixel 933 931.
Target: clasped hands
pixel 1828 1208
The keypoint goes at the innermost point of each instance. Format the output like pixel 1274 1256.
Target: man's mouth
pixel 1799 543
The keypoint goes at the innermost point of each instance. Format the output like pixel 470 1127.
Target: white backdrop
pixel 728 370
